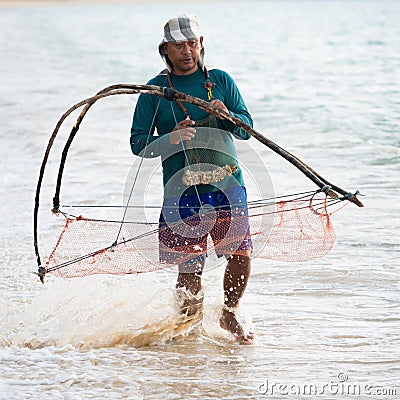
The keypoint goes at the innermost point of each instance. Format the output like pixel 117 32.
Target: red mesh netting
pixel 285 231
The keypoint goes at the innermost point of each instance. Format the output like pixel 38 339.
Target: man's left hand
pixel 220 105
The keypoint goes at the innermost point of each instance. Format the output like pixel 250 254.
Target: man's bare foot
pixel 229 322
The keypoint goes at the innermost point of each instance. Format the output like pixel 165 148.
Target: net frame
pixel 172 95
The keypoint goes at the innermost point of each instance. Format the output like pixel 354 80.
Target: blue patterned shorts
pixel 185 227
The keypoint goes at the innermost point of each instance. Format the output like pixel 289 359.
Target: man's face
pixel 184 55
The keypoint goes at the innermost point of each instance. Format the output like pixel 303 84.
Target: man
pixel 178 126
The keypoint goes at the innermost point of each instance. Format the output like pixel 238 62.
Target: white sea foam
pixel 101 311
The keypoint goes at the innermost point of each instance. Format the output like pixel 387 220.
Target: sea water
pixel 321 78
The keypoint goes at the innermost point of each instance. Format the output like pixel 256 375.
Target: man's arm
pixel 235 105
pixel 143 142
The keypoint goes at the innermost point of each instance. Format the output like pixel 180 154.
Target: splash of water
pixel 103 311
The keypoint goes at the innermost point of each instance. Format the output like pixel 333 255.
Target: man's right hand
pixel 185 130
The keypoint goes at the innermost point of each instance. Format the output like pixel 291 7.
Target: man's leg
pixel 188 285
pixel 237 273
pixel 190 281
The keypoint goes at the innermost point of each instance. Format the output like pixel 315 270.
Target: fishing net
pixel 297 229
pixel 210 156
pixel 288 228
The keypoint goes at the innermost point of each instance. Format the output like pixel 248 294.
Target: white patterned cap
pixel 180 29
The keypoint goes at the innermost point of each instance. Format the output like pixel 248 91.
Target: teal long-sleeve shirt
pixel 153 113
